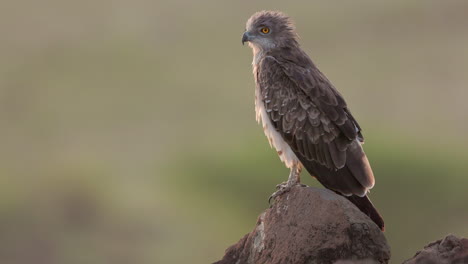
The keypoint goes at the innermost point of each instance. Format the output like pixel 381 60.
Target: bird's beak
pixel 245 37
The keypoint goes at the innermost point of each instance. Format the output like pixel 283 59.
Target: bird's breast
pixel 276 140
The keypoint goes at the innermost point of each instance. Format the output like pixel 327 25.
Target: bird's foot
pixel 284 188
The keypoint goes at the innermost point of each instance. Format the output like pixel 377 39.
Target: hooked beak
pixel 246 37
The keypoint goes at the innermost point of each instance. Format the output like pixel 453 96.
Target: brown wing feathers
pixel 314 120
pixel 318 129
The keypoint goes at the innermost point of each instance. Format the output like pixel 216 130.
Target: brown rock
pixel 311 225
pixel 449 250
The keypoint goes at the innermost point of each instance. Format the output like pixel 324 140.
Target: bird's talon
pixel 281 185
pixel 281 189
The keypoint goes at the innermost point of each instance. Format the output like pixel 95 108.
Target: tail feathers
pixel 341 180
pixel 359 166
pixel 366 206
pixel 352 181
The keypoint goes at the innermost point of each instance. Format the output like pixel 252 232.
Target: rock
pixel 313 226
pixel 449 250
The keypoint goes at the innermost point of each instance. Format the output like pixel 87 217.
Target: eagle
pixel 304 116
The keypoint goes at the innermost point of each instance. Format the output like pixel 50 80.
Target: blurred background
pixel 128 132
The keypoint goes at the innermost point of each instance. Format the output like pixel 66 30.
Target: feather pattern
pixel 313 118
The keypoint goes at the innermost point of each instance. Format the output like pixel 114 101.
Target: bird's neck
pixel 258 54
pixel 257 57
pixel 291 52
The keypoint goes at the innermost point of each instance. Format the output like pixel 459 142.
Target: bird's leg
pixel 294 179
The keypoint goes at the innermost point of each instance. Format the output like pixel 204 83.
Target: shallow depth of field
pixel 128 133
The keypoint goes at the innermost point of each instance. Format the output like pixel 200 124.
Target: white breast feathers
pixel 276 140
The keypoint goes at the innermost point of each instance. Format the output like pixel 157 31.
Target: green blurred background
pixel 128 132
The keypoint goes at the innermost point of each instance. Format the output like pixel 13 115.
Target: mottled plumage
pixel 305 118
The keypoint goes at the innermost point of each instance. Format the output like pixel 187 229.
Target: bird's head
pixel 266 30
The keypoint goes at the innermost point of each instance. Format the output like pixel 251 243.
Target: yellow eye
pixel 265 30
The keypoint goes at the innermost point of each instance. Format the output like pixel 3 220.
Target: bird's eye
pixel 265 30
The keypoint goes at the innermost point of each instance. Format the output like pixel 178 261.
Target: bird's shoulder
pixel 296 68
pixel 306 109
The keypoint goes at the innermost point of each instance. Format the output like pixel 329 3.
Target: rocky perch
pixel 449 250
pixel 310 225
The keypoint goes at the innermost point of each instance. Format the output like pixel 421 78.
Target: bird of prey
pixel 304 116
